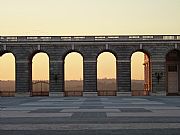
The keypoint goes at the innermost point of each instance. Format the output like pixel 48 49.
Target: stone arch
pixel 2 52
pixel 33 53
pixel 38 87
pixel 71 51
pixel 173 72
pixel 109 51
pixel 8 86
pixel 169 50
pixel 142 88
pixel 75 91
pixel 141 50
pixel 107 86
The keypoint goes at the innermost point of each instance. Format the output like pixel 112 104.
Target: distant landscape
pixel 102 84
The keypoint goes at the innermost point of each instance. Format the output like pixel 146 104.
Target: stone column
pixel 23 76
pixel 158 77
pixel 56 76
pixel 90 75
pixel 123 75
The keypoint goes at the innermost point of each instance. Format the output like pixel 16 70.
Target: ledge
pixel 89 38
pixel 73 93
pixel 7 93
pixel 107 93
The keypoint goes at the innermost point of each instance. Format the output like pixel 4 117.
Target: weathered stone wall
pixel 57 51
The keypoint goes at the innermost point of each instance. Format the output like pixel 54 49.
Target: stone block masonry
pixel 57 47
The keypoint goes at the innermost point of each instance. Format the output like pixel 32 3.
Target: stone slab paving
pixel 90 115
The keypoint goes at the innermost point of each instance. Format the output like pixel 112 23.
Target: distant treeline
pixel 102 84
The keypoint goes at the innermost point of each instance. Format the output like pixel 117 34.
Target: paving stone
pixel 93 99
pixel 46 111
pixel 91 103
pixel 134 110
pixel 89 115
pixel 96 132
pixel 91 107
pixel 77 120
pixel 90 111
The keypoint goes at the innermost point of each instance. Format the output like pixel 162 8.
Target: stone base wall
pixel 36 93
pixel 106 93
pixel 139 93
pixel 90 47
pixel 73 93
pixel 7 93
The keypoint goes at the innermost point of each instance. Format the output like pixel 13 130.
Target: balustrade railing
pixel 90 38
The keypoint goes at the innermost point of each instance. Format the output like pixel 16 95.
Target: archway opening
pixel 106 74
pixel 40 75
pixel 173 72
pixel 140 74
pixel 7 75
pixel 73 74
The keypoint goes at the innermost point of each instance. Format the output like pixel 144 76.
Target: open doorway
pixel 40 74
pixel 7 74
pixel 140 74
pixel 172 73
pixel 106 74
pixel 73 74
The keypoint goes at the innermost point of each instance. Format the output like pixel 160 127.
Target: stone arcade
pixel 162 69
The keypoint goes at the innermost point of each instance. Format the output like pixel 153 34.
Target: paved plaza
pixel 90 115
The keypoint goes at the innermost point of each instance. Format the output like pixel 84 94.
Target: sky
pixel 87 17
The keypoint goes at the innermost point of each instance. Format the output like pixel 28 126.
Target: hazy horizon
pixel 107 84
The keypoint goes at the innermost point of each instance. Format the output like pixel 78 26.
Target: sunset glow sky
pixel 85 17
